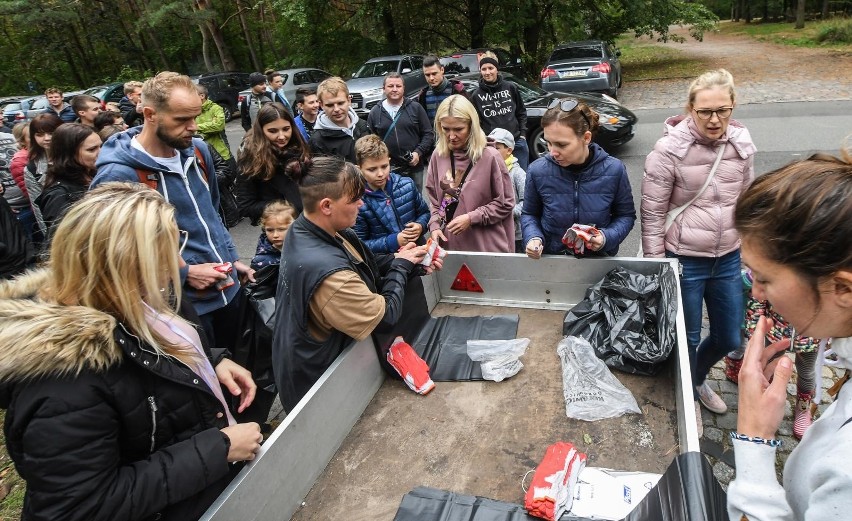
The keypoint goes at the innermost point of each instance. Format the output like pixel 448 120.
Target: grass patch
pixel 643 60
pixel 11 505
pixel 835 34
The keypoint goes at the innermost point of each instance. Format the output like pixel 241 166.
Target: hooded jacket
pixel 99 426
pixel 211 126
pixel 386 212
pixel 129 114
pixel 411 133
pixel 500 105
pixel 330 139
pixel 817 480
pixel 254 193
pixel 195 196
pixel 675 171
pixel 556 198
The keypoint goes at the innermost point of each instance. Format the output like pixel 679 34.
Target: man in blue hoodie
pixel 163 154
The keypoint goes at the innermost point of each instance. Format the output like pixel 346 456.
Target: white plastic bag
pixel 498 358
pixel 590 389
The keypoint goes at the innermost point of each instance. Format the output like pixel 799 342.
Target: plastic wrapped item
pixel 590 389
pixel 629 319
pixel 256 324
pixel 498 358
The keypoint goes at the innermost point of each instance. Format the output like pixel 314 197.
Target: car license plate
pixel 572 74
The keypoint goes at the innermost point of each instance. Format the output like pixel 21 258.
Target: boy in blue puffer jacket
pixel 394 212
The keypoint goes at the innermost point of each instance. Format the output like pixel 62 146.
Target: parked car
pixel 17 111
pixel 295 79
pixel 462 62
pixel 587 66
pixel 616 121
pixel 111 93
pixel 224 88
pixel 38 106
pixel 366 84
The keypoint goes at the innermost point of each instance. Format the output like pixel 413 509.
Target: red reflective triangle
pixel 465 281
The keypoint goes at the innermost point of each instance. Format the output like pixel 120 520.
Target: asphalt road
pixel 783 132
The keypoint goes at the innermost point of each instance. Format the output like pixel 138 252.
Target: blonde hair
pixel 370 146
pixel 130 86
pixel 116 250
pixel 156 91
pixel 21 131
pixel 332 86
pixel 277 208
pixel 457 106
pixel 718 78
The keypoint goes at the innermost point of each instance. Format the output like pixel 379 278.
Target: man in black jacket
pixel 338 126
pixel 332 289
pixel 131 104
pixel 438 89
pixel 404 127
pixel 255 99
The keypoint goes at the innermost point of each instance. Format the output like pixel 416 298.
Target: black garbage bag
pixel 629 319
pixel 256 323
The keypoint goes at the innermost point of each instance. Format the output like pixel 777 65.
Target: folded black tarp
pixel 687 491
pixel 442 341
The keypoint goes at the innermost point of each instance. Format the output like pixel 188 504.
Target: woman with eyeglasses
pixel 693 178
pixel 115 407
pixel 577 186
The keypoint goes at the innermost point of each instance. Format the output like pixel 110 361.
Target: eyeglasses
pixel 567 105
pixel 184 238
pixel 722 112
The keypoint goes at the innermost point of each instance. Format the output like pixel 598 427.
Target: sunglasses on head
pixel 568 105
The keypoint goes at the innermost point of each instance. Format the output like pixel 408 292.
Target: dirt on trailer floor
pixel 481 438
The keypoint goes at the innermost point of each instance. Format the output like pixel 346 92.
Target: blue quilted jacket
pixel 555 198
pixel 381 217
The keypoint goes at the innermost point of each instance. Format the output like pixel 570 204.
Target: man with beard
pixel 163 154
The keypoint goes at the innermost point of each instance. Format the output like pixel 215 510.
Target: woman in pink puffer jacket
pixel 702 237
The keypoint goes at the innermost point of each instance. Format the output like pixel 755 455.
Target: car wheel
pixel 614 91
pixel 538 146
pixel 227 110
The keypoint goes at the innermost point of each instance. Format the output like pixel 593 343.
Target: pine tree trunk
pixel 225 56
pixel 252 54
pixel 800 15
pixel 205 47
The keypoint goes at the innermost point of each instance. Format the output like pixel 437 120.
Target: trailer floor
pixel 481 438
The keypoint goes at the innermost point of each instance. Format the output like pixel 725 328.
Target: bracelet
pixel 755 439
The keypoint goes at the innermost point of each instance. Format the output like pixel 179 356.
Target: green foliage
pixel 836 31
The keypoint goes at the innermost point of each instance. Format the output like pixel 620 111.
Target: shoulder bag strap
pixel 673 214
pixel 393 123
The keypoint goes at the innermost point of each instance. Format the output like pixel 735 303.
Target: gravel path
pixel 764 72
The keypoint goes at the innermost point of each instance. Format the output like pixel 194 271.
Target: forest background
pixel 75 44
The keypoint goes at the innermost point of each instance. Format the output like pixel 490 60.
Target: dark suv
pixel 224 88
pixel 465 61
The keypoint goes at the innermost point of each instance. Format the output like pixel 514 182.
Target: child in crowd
pixel 806 350
pixel 394 212
pixel 504 142
pixel 275 221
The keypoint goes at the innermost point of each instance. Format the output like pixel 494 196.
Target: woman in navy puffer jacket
pixel 576 183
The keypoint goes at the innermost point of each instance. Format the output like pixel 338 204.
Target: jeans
pixel 715 281
pixel 522 152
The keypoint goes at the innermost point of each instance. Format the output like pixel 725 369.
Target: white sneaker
pixel 698 422
pixel 710 399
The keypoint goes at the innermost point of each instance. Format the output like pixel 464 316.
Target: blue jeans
pixel 522 152
pixel 715 281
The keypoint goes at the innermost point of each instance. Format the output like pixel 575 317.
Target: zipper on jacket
pixel 576 201
pixel 153 406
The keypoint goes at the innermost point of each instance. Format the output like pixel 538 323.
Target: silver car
pixel 365 87
pixel 587 66
pixel 295 79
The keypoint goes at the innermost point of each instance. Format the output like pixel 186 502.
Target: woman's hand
pixel 534 248
pixel 238 381
pixel 761 403
pixel 596 242
pixel 245 441
pixel 459 224
pixel 438 234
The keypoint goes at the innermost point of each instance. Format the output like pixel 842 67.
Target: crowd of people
pixel 129 212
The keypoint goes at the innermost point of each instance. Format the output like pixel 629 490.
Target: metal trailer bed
pixel 357 442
